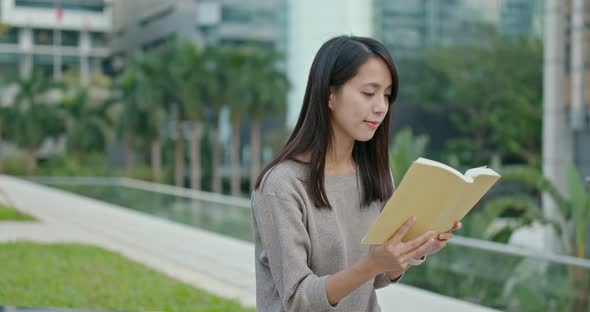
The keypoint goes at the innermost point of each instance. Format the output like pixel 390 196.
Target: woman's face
pixel 361 104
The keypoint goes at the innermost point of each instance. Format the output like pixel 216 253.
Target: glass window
pixel 43 59
pixel 8 58
pixel 70 38
pixel 243 15
pixel 43 36
pixel 76 5
pixel 8 34
pixel 98 39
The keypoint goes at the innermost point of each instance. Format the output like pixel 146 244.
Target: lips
pixel 372 124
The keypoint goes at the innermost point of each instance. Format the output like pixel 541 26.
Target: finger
pixel 418 241
pixel 403 230
pixel 457 226
pixel 420 251
pixel 438 245
pixel 444 236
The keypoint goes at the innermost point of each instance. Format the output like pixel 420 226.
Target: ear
pixel 331 99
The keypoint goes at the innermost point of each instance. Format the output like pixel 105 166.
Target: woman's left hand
pixel 441 239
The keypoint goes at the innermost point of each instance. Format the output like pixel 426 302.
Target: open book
pixel 436 194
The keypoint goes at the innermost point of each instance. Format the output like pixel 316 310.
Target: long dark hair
pixel 338 61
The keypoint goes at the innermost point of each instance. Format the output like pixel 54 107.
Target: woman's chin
pixel 365 137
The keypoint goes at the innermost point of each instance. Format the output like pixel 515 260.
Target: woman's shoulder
pixel 282 178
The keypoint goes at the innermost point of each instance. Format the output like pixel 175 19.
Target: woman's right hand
pixel 394 255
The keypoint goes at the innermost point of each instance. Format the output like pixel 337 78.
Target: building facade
pixel 54 35
pixel 521 17
pixel 310 24
pixel 576 86
pixel 408 27
pixel 144 25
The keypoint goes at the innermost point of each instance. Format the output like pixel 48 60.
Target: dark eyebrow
pixel 376 85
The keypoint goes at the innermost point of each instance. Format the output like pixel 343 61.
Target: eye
pixel 368 94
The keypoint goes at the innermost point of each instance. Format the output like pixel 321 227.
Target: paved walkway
pixel 218 264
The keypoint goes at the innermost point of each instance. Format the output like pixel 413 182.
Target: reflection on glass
pixel 223 219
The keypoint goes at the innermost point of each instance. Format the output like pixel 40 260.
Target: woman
pixel 317 198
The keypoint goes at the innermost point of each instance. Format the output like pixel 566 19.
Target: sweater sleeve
pixel 287 245
pixel 382 280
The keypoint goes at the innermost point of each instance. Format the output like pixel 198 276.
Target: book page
pixel 474 172
pixel 424 192
pixel 465 200
pixel 435 195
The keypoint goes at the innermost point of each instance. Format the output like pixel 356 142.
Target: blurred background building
pixel 566 109
pixel 521 17
pixel 55 35
pixel 139 26
pixel 407 27
pixel 576 87
pixel 60 35
pixel 311 23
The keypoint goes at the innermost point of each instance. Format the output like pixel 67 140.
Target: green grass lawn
pixel 80 276
pixel 9 214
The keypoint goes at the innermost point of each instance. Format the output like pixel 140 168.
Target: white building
pixel 55 35
pixel 311 23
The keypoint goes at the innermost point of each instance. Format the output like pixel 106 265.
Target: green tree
pixel 238 100
pixel 6 119
pixel 265 96
pixel 187 73
pixel 215 67
pixel 87 121
pixel 128 113
pixel 34 108
pixel 153 103
pixel 170 79
pixel 571 222
pixel 405 149
pixel 493 107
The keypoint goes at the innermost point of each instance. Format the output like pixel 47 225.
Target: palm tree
pixel 32 107
pixel 125 94
pixel 152 101
pixel 218 78
pixel 571 221
pixel 268 90
pixel 176 110
pixel 6 119
pixel 239 97
pixel 87 122
pixel 186 71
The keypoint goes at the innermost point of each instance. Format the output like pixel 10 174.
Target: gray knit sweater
pixel 298 246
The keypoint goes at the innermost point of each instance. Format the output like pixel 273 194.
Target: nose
pixel 381 106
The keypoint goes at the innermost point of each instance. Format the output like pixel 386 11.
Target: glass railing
pixel 495 275
pixel 504 281
pixel 211 216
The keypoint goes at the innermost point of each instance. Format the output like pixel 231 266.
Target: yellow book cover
pixel 436 194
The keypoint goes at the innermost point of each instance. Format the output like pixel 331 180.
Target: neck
pixel 339 156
